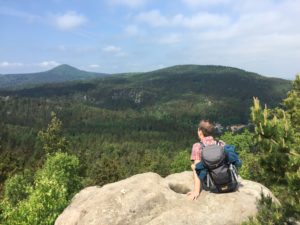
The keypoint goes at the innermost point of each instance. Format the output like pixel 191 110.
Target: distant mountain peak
pixel 64 67
pixel 61 73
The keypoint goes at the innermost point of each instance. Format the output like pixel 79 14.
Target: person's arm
pixel 196 158
pixel 193 195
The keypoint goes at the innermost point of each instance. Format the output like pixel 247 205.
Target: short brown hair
pixel 207 128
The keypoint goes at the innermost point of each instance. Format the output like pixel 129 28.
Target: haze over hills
pixel 61 73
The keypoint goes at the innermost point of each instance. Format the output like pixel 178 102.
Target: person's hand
pixel 193 166
pixel 193 195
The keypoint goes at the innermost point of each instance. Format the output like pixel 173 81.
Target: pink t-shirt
pixel 197 148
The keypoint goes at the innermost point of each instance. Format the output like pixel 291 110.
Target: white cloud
pixel 201 20
pixel 195 3
pixel 160 66
pixel 129 3
pixel 153 18
pixel 94 66
pixel 121 54
pixel 132 30
pixel 47 64
pixel 62 48
pixel 204 19
pixel 170 39
pixel 69 20
pixel 66 21
pixel 6 11
pixel 112 49
pixel 6 64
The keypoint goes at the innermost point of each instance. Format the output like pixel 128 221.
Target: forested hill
pixel 222 93
pixel 214 81
pixel 60 73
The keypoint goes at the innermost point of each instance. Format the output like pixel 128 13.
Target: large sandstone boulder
pixel 148 199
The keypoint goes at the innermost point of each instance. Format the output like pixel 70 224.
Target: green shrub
pixel 181 162
pixel 269 213
pixel 18 187
pixel 53 187
pixel 243 143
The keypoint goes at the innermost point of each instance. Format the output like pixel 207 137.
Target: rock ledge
pixel 152 200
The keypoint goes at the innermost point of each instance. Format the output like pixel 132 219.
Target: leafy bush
pixel 269 213
pixel 64 169
pixel 18 187
pixel 53 187
pixel 244 146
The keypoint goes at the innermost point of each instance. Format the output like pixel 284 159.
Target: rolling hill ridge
pixel 61 73
pixel 225 93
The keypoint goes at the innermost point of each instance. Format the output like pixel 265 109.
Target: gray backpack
pixel 221 176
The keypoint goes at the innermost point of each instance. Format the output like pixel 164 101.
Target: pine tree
pixel 277 138
pixel 273 138
pixel 292 104
pixel 52 139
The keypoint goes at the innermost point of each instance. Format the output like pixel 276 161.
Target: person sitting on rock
pixel 205 135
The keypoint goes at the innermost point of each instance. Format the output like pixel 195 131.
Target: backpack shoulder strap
pixel 202 144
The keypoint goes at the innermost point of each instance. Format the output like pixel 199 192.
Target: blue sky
pixel 112 36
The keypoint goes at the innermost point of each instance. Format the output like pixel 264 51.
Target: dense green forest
pixel 140 114
pixel 111 128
